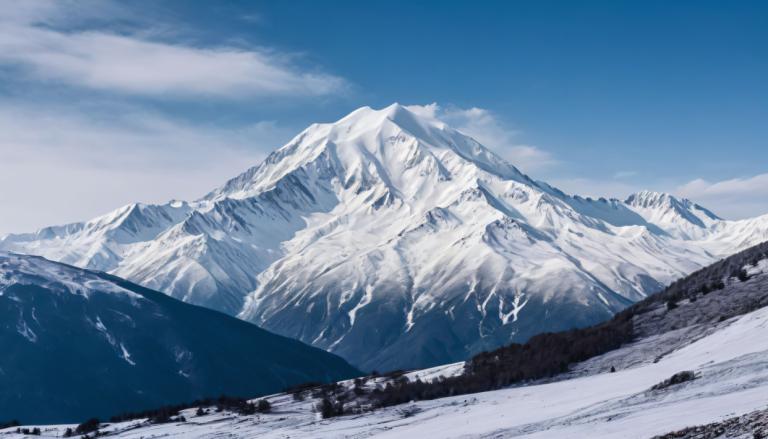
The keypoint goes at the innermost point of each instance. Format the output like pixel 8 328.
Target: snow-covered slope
pixel 396 241
pixel 729 360
pixel 680 218
pixel 77 343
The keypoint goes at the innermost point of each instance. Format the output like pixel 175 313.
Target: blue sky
pixel 107 102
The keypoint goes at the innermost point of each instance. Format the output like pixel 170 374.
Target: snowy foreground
pixel 731 364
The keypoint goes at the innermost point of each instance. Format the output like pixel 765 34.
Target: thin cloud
pixel 734 199
pixel 131 64
pixel 737 198
pixel 67 154
pixel 64 165
pixel 485 127
pixel 624 174
pixel 740 197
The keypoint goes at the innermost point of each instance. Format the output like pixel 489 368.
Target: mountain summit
pixel 679 217
pixel 396 241
pixel 393 146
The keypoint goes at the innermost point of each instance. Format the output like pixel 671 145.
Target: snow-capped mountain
pixel 79 344
pixel 680 218
pixel 703 361
pixel 396 241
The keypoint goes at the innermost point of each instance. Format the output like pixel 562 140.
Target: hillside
pixel 78 343
pixel 710 371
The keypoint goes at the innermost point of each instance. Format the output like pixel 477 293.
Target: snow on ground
pixel 446 370
pixel 731 364
pixel 761 267
pixel 30 270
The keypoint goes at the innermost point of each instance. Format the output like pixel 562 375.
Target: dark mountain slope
pixel 78 343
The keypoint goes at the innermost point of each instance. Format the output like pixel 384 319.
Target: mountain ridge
pixel 81 343
pixel 396 241
pixel 652 369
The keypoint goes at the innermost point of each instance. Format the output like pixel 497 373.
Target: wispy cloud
pixel 624 174
pixel 485 127
pixel 136 64
pixel 734 198
pixel 62 164
pixel 78 136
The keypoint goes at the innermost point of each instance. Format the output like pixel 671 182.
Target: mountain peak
pixel 396 145
pixel 646 198
pixel 651 199
pixel 388 221
pixel 680 217
pixel 394 112
pixel 403 117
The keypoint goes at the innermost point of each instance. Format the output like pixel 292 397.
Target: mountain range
pixel 80 344
pixel 395 241
pixel 688 362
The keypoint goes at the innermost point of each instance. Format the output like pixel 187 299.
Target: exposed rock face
pixel 750 426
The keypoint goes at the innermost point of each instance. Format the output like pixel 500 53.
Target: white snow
pixel 104 331
pixel 761 267
pixel 389 217
pixel 126 355
pixel 517 306
pixel 732 364
pixel 25 270
pixel 446 370
pixel 25 331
